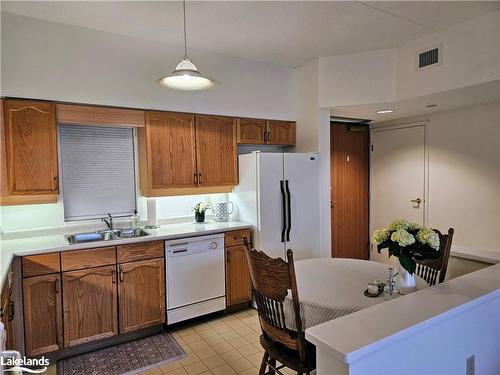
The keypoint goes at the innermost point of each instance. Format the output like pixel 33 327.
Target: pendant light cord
pixel 185 37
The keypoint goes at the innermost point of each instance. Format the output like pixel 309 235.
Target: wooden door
pixel 252 131
pixel 238 282
pixel 89 305
pixel 170 150
pixel 349 195
pixel 216 150
pixel 42 314
pixel 280 132
pixel 31 147
pixel 141 294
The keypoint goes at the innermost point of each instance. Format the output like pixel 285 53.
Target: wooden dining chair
pixel 271 280
pixel 433 271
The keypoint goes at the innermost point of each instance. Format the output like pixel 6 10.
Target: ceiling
pixel 467 96
pixel 286 33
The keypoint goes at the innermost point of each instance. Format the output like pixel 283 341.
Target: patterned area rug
pixel 128 358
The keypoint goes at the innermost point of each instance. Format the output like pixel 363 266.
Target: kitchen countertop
pixel 353 336
pixel 55 243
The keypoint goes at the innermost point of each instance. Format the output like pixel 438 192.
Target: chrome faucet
pixel 108 221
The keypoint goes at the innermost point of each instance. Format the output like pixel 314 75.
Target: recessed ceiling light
pixel 431 105
pixel 383 111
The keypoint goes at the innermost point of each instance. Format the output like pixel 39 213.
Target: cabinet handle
pixel 10 316
pixel 268 136
pixel 55 183
pixel 56 285
pixel 113 276
pixel 199 178
pixel 121 273
pixel 265 136
pixel 195 178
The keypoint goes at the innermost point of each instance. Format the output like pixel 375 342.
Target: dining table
pixel 329 288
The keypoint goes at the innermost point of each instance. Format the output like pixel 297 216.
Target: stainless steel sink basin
pixel 132 233
pixel 105 235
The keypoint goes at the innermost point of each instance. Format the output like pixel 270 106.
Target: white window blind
pixel 98 172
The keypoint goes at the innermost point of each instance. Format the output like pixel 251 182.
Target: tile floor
pixel 224 345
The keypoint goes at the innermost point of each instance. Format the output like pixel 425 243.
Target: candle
pixel 372 289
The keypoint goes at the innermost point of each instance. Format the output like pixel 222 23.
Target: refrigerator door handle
pixel 283 208
pixel 288 210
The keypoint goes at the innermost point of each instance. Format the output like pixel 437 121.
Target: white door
pixel 301 173
pixel 270 200
pixel 398 177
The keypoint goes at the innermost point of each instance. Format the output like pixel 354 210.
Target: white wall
pixel 442 348
pixel 313 134
pixel 48 60
pixel 49 216
pixel 464 174
pixel 358 78
pixel 471 55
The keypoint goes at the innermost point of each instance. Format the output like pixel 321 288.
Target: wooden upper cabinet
pixel 31 147
pixel 141 293
pixel 42 314
pixel 167 152
pixel 252 131
pixel 89 305
pixel 280 132
pixel 216 150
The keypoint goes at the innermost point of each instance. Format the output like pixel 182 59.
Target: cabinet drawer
pixel 79 259
pixel 140 251
pixel 43 264
pixel 235 237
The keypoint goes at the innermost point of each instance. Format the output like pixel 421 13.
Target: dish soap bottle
pixel 135 220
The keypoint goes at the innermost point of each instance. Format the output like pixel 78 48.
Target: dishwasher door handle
pixel 179 251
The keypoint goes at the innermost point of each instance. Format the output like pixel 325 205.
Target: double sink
pixel 105 235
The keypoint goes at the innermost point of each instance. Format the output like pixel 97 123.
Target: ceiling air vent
pixel 428 58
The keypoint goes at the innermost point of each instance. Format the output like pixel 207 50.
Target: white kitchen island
pixel 431 331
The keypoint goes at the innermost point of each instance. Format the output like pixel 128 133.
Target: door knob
pixel 417 201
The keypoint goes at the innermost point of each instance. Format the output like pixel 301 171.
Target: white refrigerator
pixel 279 194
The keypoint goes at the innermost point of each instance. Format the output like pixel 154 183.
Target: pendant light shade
pixel 186 75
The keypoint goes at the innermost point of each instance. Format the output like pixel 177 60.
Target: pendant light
pixel 186 75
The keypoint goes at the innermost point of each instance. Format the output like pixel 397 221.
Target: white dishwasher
pixel 195 276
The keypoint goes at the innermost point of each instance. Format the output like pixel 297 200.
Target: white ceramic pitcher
pixel 222 210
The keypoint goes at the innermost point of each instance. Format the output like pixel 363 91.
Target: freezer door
pixel 270 201
pixel 301 174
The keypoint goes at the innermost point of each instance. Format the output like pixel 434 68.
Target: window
pixel 98 171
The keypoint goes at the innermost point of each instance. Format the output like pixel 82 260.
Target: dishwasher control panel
pixel 194 245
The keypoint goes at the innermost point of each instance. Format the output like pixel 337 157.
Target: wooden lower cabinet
pixel 141 294
pixel 42 314
pixel 90 305
pixel 238 283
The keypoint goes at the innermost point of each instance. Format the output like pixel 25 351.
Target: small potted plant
pixel 199 212
pixel 408 242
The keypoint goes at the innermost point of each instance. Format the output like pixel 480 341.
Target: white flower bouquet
pixel 407 241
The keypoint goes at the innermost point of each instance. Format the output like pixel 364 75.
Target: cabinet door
pixel 141 294
pixel 252 131
pixel 280 132
pixel 90 305
pixel 216 150
pixel 31 147
pixel 238 283
pixel 171 150
pixel 42 314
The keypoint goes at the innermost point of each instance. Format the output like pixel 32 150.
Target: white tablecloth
pixel 329 288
